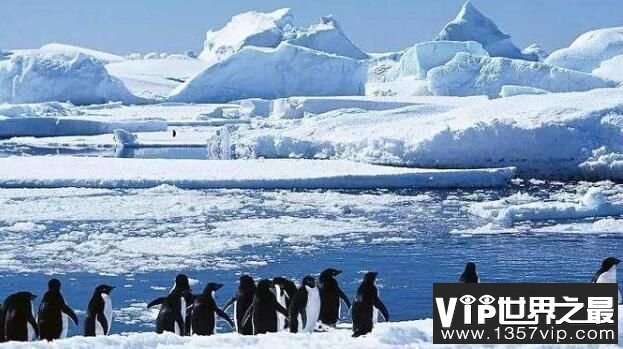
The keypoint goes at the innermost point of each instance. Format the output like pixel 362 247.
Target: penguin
pixel 365 306
pixel 18 320
pixel 54 313
pixel 305 307
pixel 242 301
pixel 330 295
pixel 99 312
pixel 284 291
pixel 204 310
pixel 608 274
pixel 469 276
pixel 172 314
pixel 179 297
pixel 262 312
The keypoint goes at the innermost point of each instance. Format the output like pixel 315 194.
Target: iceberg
pixel 471 25
pixel 42 77
pixel 590 49
pixel 611 69
pixel 73 50
pixel 327 36
pixel 246 29
pixel 467 75
pixel 422 57
pixel 270 73
pixel 536 49
pixel 514 90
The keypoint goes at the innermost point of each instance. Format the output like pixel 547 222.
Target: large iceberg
pixel 467 75
pixel 422 57
pixel 471 25
pixel 246 29
pixel 270 73
pixel 611 69
pixel 73 50
pixel 327 36
pixel 41 77
pixel 590 49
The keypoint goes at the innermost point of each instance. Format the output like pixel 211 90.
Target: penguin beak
pixel 337 272
pixel 617 261
pixel 32 297
pixel 217 287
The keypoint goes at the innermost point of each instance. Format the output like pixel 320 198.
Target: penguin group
pixel 271 305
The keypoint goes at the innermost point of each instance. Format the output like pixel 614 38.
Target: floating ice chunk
pixel 590 49
pixel 467 75
pixel 124 138
pixel 422 57
pixel 514 90
pixel 24 227
pixel 471 25
pixel 259 73
pixel 219 146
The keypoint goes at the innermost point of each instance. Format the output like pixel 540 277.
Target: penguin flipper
pixel 229 303
pixel 381 307
pixel 224 315
pixel 180 323
pixel 281 309
pixel 33 323
pixel 102 319
pixel 344 297
pixel 247 315
pixel 155 302
pixel 72 315
pixel 304 317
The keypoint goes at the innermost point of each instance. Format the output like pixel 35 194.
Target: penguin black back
pixel 299 305
pixel 263 310
pixel 469 276
pixel 330 295
pixel 99 312
pixel 18 321
pixel 242 301
pixel 53 313
pixel 366 299
pixel 171 317
pixel 204 312
pixel 286 286
pixel 606 265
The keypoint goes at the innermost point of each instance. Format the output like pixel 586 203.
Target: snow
pixel 246 29
pixel 514 90
pixel 589 50
pixel 124 138
pixel 603 164
pixel 611 69
pixel 71 50
pixel 66 126
pixel 327 36
pixel 402 87
pixel 41 77
pixel 155 78
pixel 272 73
pixel 422 57
pixel 467 75
pixel 299 107
pixel 52 172
pixel 536 50
pixel 471 25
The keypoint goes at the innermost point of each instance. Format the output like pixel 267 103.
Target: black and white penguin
pixel 181 288
pixel 99 312
pixel 469 276
pixel 330 295
pixel 366 305
pixel 18 320
pixel 284 291
pixel 607 274
pixel 263 311
pixel 172 314
pixel 204 310
pixel 241 301
pixel 305 307
pixel 54 313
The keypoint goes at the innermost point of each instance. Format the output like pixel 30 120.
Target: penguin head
pixel 309 282
pixel 104 289
pixel 370 277
pixel 181 282
pixel 329 273
pixel 609 263
pixel 470 267
pixel 246 283
pixel 25 296
pixel 211 287
pixel 54 285
pixel 264 286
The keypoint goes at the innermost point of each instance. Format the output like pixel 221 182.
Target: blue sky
pixel 124 26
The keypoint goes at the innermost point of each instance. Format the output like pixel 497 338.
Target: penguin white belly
pixel 236 316
pixel 32 335
pixel 609 277
pixel 176 327
pixel 313 309
pixel 65 325
pixel 99 329
pixel 281 319
pixel 214 329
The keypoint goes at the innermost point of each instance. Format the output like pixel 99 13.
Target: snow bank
pixel 80 79
pixel 272 73
pixel 298 107
pixel 53 126
pixel 611 69
pixel 590 49
pixel 471 25
pixel 140 173
pixel 422 57
pixel 38 109
pixel 514 90
pixel 246 29
pixel 71 50
pixel 327 36
pixel 467 75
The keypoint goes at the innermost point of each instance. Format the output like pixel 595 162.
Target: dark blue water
pixel 407 268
